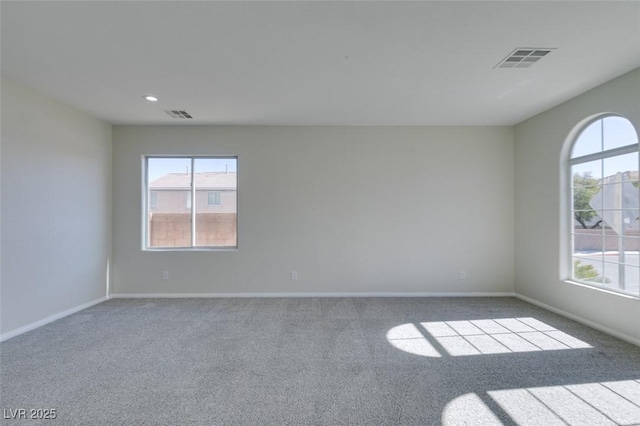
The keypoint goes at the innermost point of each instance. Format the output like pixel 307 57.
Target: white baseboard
pixel 265 295
pixel 50 319
pixel 581 320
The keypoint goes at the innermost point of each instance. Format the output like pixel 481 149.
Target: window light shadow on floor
pixel 480 337
pixel 605 403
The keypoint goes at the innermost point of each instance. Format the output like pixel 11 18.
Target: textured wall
pixel 56 207
pixel 351 209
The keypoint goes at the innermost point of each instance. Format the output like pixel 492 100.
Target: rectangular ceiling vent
pixel 174 113
pixel 524 57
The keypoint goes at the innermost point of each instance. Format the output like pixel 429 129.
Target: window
pixel 214 198
pixel 178 195
pixel 605 205
pixel 153 199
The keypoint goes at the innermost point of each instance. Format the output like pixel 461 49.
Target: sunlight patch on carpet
pixel 605 403
pixel 480 337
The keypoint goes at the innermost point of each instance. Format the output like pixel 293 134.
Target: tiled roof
pixel 211 180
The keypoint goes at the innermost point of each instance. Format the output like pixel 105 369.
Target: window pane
pixel 610 244
pixel 632 279
pixel 583 198
pixel 618 131
pixel 611 275
pixel 170 220
pixel 629 252
pixel 588 268
pixel 587 240
pixel 586 186
pixel 589 170
pixel 621 277
pixel 216 202
pixel 589 141
pixel 626 165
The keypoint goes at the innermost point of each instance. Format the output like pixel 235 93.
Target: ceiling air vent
pixel 524 57
pixel 174 113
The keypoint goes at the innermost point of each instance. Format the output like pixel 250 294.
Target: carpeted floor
pixel 321 361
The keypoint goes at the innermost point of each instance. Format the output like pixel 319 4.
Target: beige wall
pixel 56 207
pixel 539 228
pixel 351 209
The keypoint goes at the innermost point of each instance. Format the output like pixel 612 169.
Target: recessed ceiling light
pixel 151 98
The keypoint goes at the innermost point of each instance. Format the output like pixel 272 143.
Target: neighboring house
pixel 216 192
pixel 631 200
pixel 625 216
pixel 170 213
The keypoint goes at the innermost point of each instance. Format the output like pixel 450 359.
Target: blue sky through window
pixel 158 167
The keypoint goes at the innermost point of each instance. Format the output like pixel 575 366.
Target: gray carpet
pixel 320 361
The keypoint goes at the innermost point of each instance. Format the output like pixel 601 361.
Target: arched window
pixel 605 205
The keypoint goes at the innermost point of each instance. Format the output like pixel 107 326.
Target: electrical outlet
pixel 165 275
pixel 294 276
pixel 463 275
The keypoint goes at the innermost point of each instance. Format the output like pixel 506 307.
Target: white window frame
pixel 146 207
pixel 567 248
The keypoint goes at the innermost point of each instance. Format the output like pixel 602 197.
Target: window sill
pixel 187 249
pixel 619 293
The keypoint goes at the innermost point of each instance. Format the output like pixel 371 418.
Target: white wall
pixel 56 207
pixel 351 209
pixel 539 142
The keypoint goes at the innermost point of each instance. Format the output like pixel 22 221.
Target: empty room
pixel 320 213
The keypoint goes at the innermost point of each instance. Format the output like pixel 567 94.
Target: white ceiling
pixel 316 63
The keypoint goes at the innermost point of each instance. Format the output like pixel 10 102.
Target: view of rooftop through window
pixel 191 202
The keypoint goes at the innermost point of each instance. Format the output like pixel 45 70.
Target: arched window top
pixel 603 196
pixel 604 134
